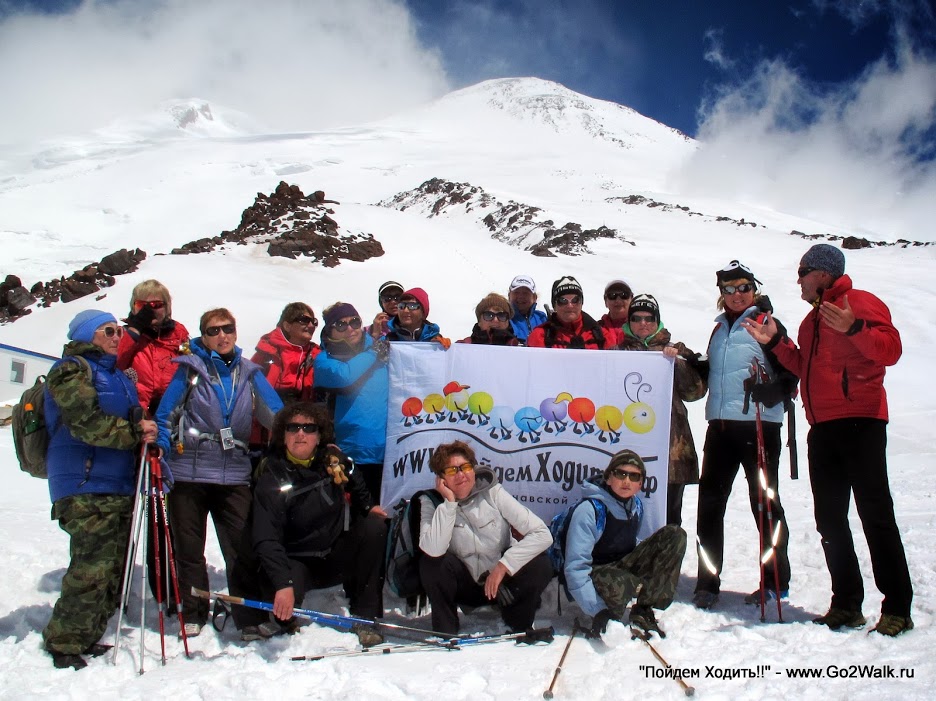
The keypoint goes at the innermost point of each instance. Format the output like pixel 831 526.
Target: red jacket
pixel 585 333
pixel 613 331
pixel 288 367
pixel 842 376
pixel 151 358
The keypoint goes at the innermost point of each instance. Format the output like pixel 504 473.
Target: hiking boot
pixel 769 595
pixel 191 630
pixel 367 634
pixel 893 625
pixel 290 627
pixel 63 660
pixel 837 618
pixel 643 620
pixel 97 649
pixel 704 599
pixel 260 632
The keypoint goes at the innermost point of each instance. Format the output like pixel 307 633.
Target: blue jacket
pixel 583 534
pixel 93 465
pixel 730 352
pixel 428 332
pixel 222 396
pixel 361 389
pixel 522 325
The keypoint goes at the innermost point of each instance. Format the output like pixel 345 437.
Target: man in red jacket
pixel 568 326
pixel 845 343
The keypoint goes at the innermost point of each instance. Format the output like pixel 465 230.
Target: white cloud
pixel 714 49
pixel 847 154
pixel 291 64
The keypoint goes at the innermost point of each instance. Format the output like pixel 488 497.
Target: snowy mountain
pixel 188 170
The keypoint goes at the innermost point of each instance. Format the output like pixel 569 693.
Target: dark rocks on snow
pixel 293 225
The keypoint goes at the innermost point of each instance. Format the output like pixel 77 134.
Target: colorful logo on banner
pixel 543 421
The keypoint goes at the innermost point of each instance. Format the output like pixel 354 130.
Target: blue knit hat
pixel 85 323
pixel 826 258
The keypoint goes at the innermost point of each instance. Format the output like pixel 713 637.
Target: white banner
pixel 544 420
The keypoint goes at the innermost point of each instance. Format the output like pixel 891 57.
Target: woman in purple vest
pixel 204 423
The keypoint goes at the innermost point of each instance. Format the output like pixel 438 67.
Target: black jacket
pixel 301 512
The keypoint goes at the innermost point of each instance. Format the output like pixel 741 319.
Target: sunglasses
pixel 229 329
pixel 625 475
pixel 642 319
pixel 354 322
pixel 491 316
pixel 412 306
pixel 455 469
pixel 153 304
pixel 743 289
pixel 389 298
pixel 565 301
pixel 308 429
pixel 804 271
pixel 614 296
pixel 306 320
pixel 111 331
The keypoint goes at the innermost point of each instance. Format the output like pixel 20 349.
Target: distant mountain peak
pixel 186 113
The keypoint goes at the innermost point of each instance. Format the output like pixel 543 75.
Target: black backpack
pixel 403 553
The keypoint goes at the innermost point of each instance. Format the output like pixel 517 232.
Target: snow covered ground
pixel 155 186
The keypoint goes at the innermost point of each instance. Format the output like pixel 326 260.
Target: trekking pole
pixel 576 627
pixel 130 554
pixel 173 576
pixel 765 494
pixel 636 633
pixel 154 527
pixel 146 491
pixel 376 650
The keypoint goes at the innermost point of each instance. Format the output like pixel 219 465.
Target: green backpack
pixel 30 436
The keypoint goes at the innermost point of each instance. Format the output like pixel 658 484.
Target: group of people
pixel 285 452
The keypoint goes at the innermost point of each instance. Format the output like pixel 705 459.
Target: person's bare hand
pixel 840 319
pixel 283 603
pixel 762 333
pixel 442 489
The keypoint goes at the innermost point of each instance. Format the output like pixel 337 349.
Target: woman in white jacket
pixel 480 544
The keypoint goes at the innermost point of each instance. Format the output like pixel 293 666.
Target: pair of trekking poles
pixel 149 509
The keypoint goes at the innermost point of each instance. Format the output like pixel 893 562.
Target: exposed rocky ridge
pixel 848 242
pixel 514 223
pixel 293 225
pixel 15 299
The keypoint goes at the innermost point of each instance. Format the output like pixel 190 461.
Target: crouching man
pixel 606 565
pixel 473 558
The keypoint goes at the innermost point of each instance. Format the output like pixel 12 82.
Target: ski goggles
pixel 491 316
pixel 295 427
pixel 228 329
pixel 341 325
pixel 625 475
pixel 743 288
pixel 453 470
pixel 152 304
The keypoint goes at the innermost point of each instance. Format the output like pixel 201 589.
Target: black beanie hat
pixel 644 303
pixel 565 286
pixel 735 270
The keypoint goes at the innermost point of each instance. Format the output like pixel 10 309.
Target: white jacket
pixel 477 528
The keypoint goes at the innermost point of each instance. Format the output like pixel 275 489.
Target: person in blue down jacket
pixel 90 409
pixel 731 438
pixel 351 373
pixel 205 419
pixel 607 563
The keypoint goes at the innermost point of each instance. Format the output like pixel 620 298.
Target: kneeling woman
pixel 472 556
pixel 305 532
pixel 606 565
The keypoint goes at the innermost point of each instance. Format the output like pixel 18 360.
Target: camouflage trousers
pixel 650 572
pixel 99 526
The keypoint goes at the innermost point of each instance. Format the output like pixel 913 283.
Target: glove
pixel 505 594
pixel 382 349
pixel 700 364
pixel 599 624
pixel 769 394
pixel 142 321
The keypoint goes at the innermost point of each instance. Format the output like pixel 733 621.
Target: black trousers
pixel 190 503
pixel 448 583
pixel 728 444
pixel 356 560
pixel 373 478
pixel 848 456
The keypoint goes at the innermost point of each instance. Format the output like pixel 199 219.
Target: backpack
pixel 30 434
pixel 403 553
pixel 559 529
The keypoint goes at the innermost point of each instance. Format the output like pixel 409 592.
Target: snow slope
pixel 522 139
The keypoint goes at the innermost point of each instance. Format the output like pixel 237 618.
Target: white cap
pixel 523 281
